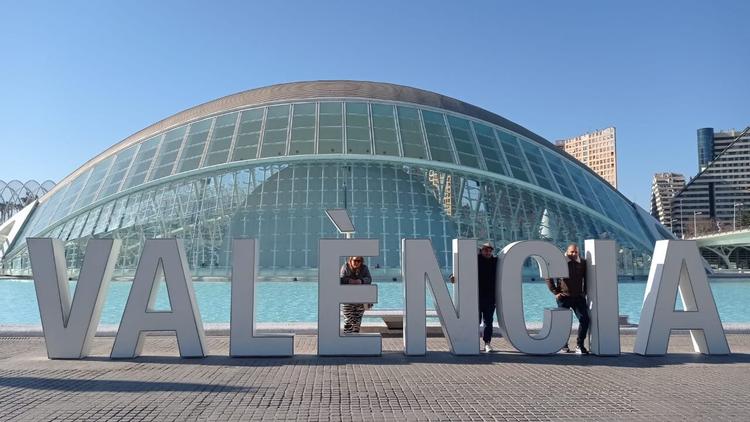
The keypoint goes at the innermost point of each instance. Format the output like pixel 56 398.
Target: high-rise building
pixel 442 184
pixel 664 186
pixel 717 198
pixel 705 147
pixel 597 150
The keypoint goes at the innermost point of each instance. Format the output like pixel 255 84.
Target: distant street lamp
pixel 734 214
pixel 695 223
pixel 682 223
pixel 671 225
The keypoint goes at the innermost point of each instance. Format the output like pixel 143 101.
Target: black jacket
pixel 575 284
pixel 487 275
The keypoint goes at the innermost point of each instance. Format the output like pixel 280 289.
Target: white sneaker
pixel 487 348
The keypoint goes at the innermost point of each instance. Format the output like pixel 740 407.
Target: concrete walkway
pixel 498 386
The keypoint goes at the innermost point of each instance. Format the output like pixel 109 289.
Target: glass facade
pixel 268 172
pixel 705 147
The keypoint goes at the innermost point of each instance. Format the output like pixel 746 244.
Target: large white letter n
pixel 458 320
pixel 69 325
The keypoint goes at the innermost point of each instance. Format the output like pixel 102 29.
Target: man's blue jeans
pixel 578 306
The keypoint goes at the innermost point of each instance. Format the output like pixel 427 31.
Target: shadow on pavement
pixel 628 360
pixel 99 385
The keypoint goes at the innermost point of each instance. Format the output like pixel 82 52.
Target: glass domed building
pixel 266 163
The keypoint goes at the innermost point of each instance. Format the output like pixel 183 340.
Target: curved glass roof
pixel 323 126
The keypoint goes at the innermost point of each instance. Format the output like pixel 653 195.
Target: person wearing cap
pixel 487 276
pixel 354 271
pixel 570 293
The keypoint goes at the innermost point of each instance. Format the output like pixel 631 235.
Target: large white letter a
pixel 676 264
pixel 159 256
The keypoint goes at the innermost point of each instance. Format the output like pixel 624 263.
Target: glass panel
pixel 71 195
pixel 248 134
pixel 600 190
pixel 384 130
pixel 303 129
pixel 47 210
pixel 130 216
pixel 66 229
pixel 142 163
pixel 117 172
pixel 493 158
pixel 117 213
pixel 170 147
pixel 614 209
pixel 357 129
pixel 55 233
pixel 564 182
pixel 95 181
pixel 221 140
pixel 627 213
pixel 274 135
pixel 77 227
pixel 538 166
pixel 412 137
pixel 101 224
pixel 330 133
pixel 464 141
pixel 514 155
pixel 582 185
pixel 437 137
pixel 195 144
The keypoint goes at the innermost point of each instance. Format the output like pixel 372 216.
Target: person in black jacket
pixel 571 293
pixel 486 278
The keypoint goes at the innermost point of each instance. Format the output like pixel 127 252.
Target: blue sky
pixel 77 77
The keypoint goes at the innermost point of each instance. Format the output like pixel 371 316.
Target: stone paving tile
pixel 500 386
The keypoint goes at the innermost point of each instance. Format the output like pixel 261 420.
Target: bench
pixel 393 318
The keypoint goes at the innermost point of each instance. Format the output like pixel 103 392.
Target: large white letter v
pixel 69 325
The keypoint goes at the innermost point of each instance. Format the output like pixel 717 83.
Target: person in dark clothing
pixel 354 272
pixel 486 275
pixel 570 293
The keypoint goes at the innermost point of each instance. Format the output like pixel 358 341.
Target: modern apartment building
pixel 664 186
pixel 597 150
pixel 718 197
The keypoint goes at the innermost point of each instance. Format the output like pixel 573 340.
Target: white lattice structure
pixel 15 195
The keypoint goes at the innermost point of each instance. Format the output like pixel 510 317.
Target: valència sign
pixel 69 325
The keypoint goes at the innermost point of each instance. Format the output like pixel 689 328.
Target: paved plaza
pixel 500 386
